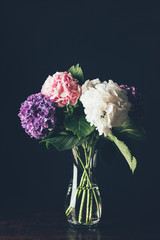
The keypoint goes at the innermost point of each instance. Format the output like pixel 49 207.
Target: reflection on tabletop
pixel 85 234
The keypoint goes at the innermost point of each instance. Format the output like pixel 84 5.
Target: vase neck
pixel 85 161
pixel 86 157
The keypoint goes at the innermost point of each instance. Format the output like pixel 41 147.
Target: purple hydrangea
pixel 136 99
pixel 37 115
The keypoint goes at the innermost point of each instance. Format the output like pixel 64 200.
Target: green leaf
pixel 132 130
pixel 65 142
pixel 77 73
pixel 78 125
pixel 47 145
pixel 131 160
pixel 70 109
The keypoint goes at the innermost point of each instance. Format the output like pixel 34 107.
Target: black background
pixel 110 40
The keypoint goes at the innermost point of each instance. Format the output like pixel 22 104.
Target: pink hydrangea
pixel 62 89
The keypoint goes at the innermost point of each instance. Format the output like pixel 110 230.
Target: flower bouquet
pixel 70 113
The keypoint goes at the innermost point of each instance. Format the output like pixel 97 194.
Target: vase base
pixel 84 226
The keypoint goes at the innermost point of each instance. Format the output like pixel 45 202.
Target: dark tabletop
pixel 51 224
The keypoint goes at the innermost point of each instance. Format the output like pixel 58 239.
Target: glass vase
pixel 83 205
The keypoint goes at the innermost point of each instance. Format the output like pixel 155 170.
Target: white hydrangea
pixel 105 104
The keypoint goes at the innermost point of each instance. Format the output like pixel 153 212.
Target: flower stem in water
pixel 90 185
pixel 90 212
pixel 81 206
pixel 87 208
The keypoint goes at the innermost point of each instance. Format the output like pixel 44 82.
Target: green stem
pixel 78 193
pixel 87 207
pixel 69 209
pixel 90 185
pixel 83 178
pixel 67 109
pixel 87 151
pixel 81 206
pixel 88 158
pixel 91 204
